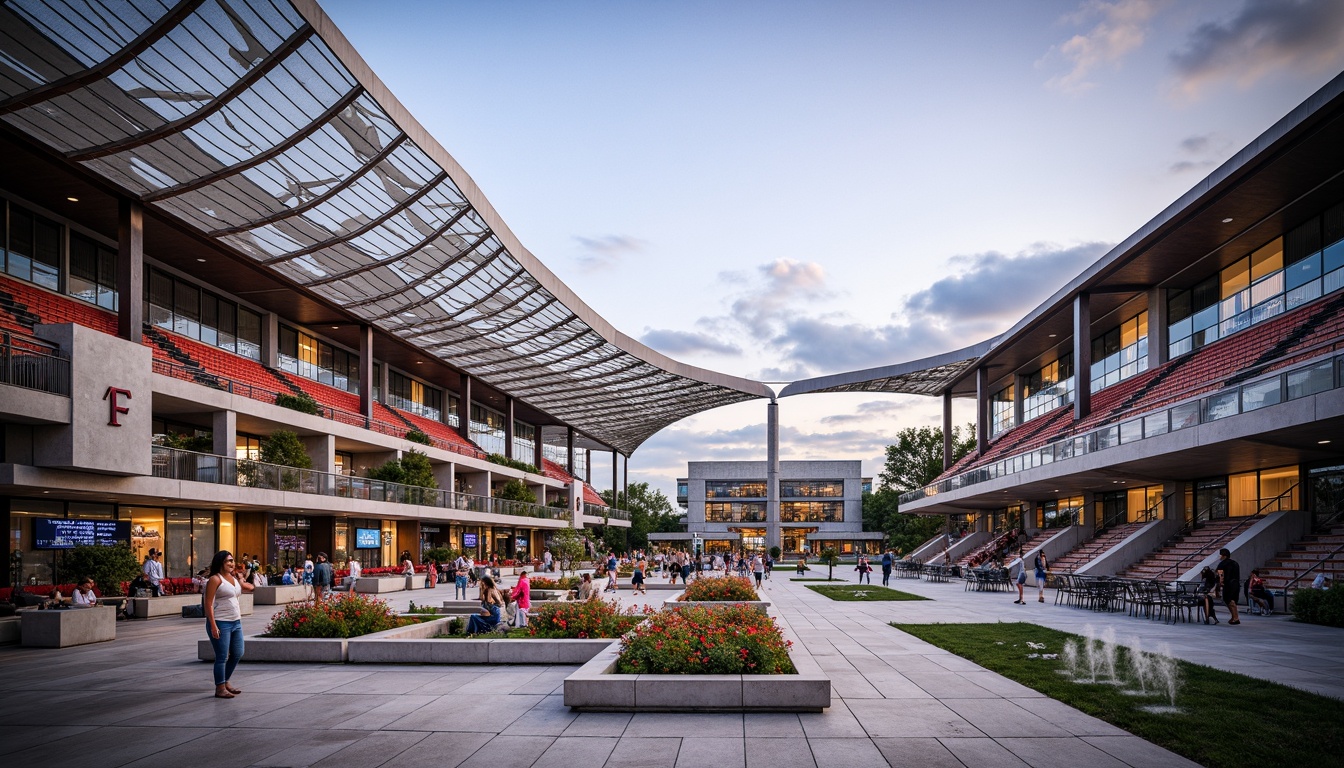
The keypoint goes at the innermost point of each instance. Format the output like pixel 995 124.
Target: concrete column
pixel 625 490
pixel 1175 505
pixel 322 450
pixel 1157 327
pixel 366 371
pixel 575 503
pixel 981 409
pixel 947 430
pixel 569 450
pixel 1082 357
pixel 588 466
pixel 536 445
pixel 382 372
pixel 772 530
pixel 1019 399
pixel 614 467
pixel 1030 518
pixel 445 475
pixel 1089 521
pixel 270 339
pixel 130 270
pixel 464 408
pixel 224 429
pixel 508 427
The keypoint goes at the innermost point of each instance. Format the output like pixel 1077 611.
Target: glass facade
pixel 735 489
pixel 1001 417
pixel 1048 389
pixel 487 429
pixel 1120 353
pixel 1060 513
pixel 735 512
pixel 185 309
pixel 807 488
pixel 304 355
pixel 811 511
pixel 31 247
pixel 413 396
pixel 93 272
pixel 525 443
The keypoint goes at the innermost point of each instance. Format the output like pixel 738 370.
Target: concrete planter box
pixel 675 601
pixel 596 687
pixel 300 649
pixel 64 628
pixel 172 605
pixel 419 645
pixel 281 595
pixel 374 585
pixel 9 629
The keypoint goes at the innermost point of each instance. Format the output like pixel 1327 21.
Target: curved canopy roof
pixel 930 376
pixel 255 124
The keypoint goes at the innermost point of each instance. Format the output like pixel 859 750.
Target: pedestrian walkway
pixel 145 700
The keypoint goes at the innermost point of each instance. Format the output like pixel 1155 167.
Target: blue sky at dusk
pixel 780 190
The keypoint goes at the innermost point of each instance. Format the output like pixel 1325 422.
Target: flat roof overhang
pixel 1280 435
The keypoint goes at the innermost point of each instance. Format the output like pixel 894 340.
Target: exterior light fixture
pixel 1322 442
pixel 1228 220
pixel 201 260
pixel 73 199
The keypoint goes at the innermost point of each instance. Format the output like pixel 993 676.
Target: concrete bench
pixel 9 629
pixel 172 605
pixel 374 585
pixel 71 626
pixel 281 594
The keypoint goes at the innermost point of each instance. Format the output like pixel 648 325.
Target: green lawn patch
pixel 812 578
pixel 861 593
pixel 1225 720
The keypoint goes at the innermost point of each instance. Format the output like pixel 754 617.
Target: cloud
pixel 788 285
pixel 605 251
pixel 873 409
pixel 1203 152
pixel 1120 29
pixel 1266 35
pixel 688 342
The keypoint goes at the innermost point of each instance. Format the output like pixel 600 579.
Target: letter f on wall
pixel 115 406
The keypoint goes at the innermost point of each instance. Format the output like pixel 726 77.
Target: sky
pixel 780 190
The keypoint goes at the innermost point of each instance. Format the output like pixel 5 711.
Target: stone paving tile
pixel 911 717
pixel 501 680
pixel 641 752
pixel 999 717
pixel 443 684
pixel 313 747
pixel 852 685
pixel 949 685
pixel 1059 753
pixel 482 713
pixel 600 724
pixel 16 738
pixel 383 715
pixel 1138 753
pixel 983 753
pixel 725 724
pixel 712 753
pixel 509 752
pixel 1068 718
pixel 380 748
pixel 549 718
pixel 779 752
pixel 386 682
pixel 189 710
pixel 570 751
pixel 297 679
pixel 321 711
pixel 850 753
pixel 1001 686
pixel 115 745
pixel 223 746
pixel 772 724
pixel 917 751
pixel 836 722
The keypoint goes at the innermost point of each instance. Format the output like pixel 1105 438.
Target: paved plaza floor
pixel 144 699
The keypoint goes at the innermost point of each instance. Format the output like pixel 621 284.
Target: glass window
pixel 1309 381
pixel 789 488
pixel 718 489
pixel 812 511
pixel 1048 388
pixel 1002 417
pixel 1267 260
pixel 1121 352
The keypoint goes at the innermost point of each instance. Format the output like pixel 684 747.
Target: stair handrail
pixel 1318 564
pixel 1150 514
pixel 1230 533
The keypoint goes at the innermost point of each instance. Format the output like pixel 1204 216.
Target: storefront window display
pixel 290 540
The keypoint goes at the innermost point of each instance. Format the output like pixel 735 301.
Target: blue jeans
pixel 460 584
pixel 478 624
pixel 228 648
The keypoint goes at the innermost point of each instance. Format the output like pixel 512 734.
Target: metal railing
pixel 177 464
pixel 33 363
pixel 598 510
pixel 1305 380
pixel 1229 534
pixel 243 389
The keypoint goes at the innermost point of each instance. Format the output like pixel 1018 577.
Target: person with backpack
pixel 323 577
pixel 887 561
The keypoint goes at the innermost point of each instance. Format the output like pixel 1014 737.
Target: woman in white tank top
pixel 224 620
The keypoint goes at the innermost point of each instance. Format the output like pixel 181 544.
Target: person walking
pixel 637 578
pixel 1042 571
pixel 546 560
pixel 1229 578
pixel 864 569
pixel 887 561
pixel 224 620
pixel 758 569
pixel 153 570
pixel 612 565
pixel 322 577
pixel 353 576
pixel 1021 581
pixel 431 574
pixel 1208 587
pixel 522 595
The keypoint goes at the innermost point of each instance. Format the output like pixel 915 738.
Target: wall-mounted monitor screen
pixel 468 540
pixel 60 533
pixel 368 538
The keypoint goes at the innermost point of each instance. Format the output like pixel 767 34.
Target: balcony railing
pixel 176 464
pixel 597 510
pixel 1302 381
pixel 243 389
pixel 32 363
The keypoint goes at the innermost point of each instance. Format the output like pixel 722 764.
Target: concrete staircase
pixel 1091 549
pixel 981 555
pixel 1303 555
pixel 1179 555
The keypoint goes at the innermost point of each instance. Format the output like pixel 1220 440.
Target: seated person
pixel 54 599
pixel 586 589
pixel 509 615
pixel 1320 582
pixel 140 582
pixel 492 603
pixel 288 578
pixel 84 596
pixel 198 581
pixel 1260 597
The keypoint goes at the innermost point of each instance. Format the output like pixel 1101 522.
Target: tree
pixel 414 469
pixel 567 547
pixel 107 566
pixel 516 490
pixel 650 511
pixel 916 458
pixel 286 449
pixel 830 557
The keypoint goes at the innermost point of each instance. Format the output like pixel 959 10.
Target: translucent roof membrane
pixel 238 119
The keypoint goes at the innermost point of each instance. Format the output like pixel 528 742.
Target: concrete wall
pixel 90 442
pixel 1260 543
pixel 1056 546
pixel 1134 548
pixel 960 547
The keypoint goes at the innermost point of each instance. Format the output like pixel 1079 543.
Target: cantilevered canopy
pixel 255 124
pixel 930 376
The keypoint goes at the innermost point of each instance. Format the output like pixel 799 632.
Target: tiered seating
pixel 439 431
pixel 1170 561
pixel 1090 550
pixel 1319 551
pixel 985 552
pixel 591 496
pixel 247 377
pixel 554 471
pixel 23 306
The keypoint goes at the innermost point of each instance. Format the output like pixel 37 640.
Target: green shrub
pixel 720 589
pixel 581 619
pixel 1320 606
pixel 200 443
pixel 502 460
pixel 440 555
pixel 343 615
pixel 736 640
pixel 301 402
pixel 107 566
pixel 416 436
pixel 286 449
pixel 516 490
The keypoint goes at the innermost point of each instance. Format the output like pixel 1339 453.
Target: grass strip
pixel 856 593
pixel 1226 720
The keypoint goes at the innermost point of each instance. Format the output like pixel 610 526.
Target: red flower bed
pixel 723 589
pixel 589 618
pixel 734 640
pixel 343 615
